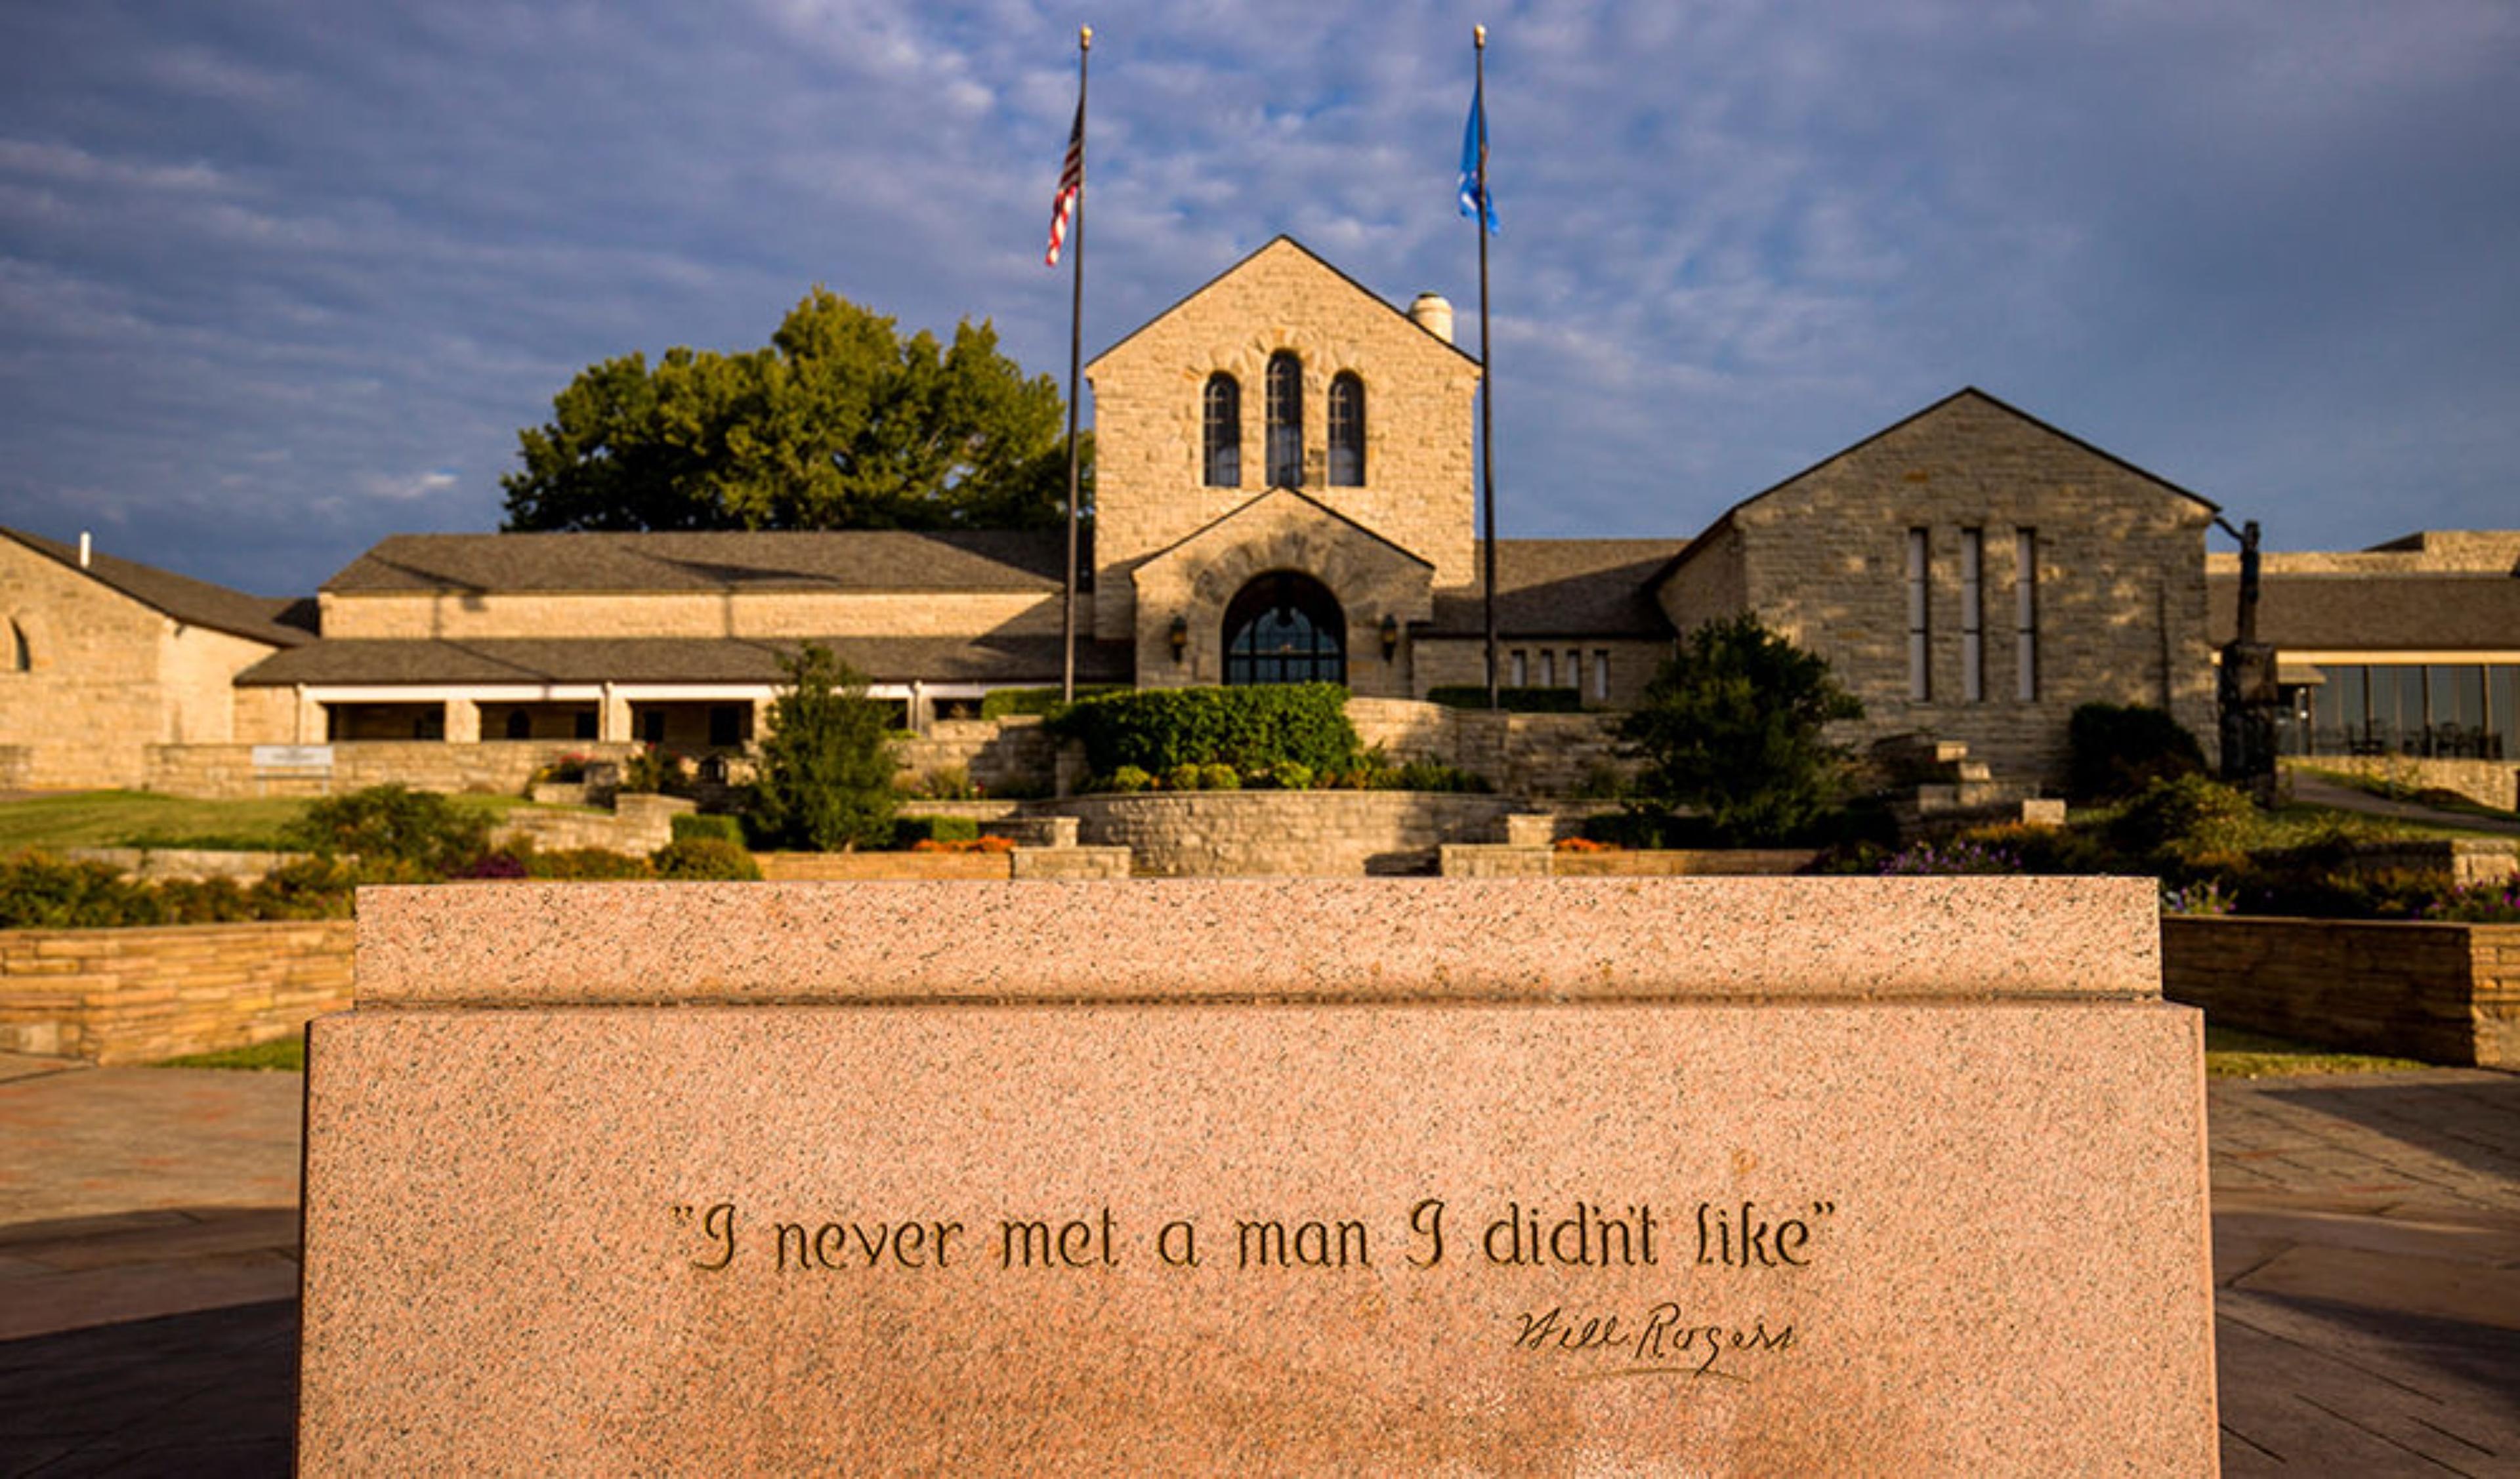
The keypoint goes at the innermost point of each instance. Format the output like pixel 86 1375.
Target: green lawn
pixel 144 819
pixel 287 1056
pixel 2230 1053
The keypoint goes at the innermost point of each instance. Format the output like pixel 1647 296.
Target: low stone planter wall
pixel 639 822
pixel 498 767
pixel 2488 782
pixel 1310 834
pixel 2443 993
pixel 900 866
pixel 155 865
pixel 1491 859
pixel 136 996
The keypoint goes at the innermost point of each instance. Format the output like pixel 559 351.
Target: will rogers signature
pixel 1658 1343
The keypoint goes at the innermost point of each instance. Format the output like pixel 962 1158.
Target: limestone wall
pixel 2488 782
pixel 2442 993
pixel 1061 863
pixel 1462 662
pixel 136 996
pixel 638 824
pixel 157 863
pixel 1497 860
pixel 1319 833
pixel 1519 754
pixel 495 767
pixel 998 754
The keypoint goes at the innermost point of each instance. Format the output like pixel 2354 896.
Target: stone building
pixel 1286 490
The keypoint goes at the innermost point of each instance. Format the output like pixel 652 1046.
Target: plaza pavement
pixel 2367 1254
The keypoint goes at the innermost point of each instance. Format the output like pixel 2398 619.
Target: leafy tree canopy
pixel 838 424
pixel 1732 724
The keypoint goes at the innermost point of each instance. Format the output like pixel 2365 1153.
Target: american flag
pixel 1071 179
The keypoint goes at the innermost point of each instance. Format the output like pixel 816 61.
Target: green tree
pixel 838 424
pixel 826 764
pixel 1733 723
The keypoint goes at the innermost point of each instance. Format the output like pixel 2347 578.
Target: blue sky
pixel 278 278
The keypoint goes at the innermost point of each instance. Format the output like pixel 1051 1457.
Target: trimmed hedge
pixel 1513 701
pixel 998 703
pixel 722 829
pixel 1245 728
pixel 704 858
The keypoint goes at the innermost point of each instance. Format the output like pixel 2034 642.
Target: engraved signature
pixel 1662 1343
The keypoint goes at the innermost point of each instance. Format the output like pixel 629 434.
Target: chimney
pixel 84 543
pixel 1433 312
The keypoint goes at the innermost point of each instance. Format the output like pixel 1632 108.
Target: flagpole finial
pixel 1479 38
pixel 1085 38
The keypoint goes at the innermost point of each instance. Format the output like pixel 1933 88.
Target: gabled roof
pixel 1318 260
pixel 1245 508
pixel 888 560
pixel 281 621
pixel 1965 393
pixel 677 660
pixel 1565 588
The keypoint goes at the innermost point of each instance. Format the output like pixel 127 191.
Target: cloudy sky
pixel 279 277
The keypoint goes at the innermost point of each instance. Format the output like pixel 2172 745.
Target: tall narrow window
pixel 1973 616
pixel 1347 432
pixel 1224 418
pixel 1920 672
pixel 1601 677
pixel 2025 614
pixel 1521 670
pixel 1286 420
pixel 21 658
pixel 1549 667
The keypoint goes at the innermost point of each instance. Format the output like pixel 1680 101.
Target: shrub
pixel 827 765
pixel 999 703
pixel 946 783
pixel 392 824
pixel 910 832
pixel 1129 777
pixel 2118 750
pixel 580 865
pixel 1181 776
pixel 1584 845
pixel 40 891
pixel 499 863
pixel 724 829
pixel 704 858
pixel 2181 818
pixel 1290 775
pixel 656 772
pixel 1248 729
pixel 1602 782
pixel 205 901
pixel 1214 777
pixel 1516 701
pixel 1732 725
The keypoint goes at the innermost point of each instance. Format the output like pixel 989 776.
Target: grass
pixel 144 818
pixel 284 1056
pixel 2393 791
pixel 2230 1053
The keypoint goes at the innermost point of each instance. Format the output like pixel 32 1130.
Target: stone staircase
pixel 1936 787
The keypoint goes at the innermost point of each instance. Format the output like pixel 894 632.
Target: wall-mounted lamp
pixel 1390 637
pixel 1180 637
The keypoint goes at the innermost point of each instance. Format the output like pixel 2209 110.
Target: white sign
pixel 317 757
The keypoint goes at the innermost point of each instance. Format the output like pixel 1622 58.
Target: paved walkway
pixel 2366 1253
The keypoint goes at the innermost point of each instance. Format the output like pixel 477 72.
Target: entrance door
pixel 1286 627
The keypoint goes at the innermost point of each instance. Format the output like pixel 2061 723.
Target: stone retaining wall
pixel 137 996
pixel 1520 754
pixel 2443 993
pixel 1014 755
pixel 500 767
pixel 1490 860
pixel 2488 782
pixel 639 822
pixel 152 864
pixel 899 866
pixel 1317 834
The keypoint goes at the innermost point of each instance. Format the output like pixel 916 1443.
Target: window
pixel 1224 418
pixel 726 724
pixel 1286 628
pixel 1920 675
pixel 1548 668
pixel 22 655
pixel 1601 677
pixel 1521 669
pixel 2025 614
pixel 1973 616
pixel 1347 432
pixel 651 725
pixel 521 724
pixel 1286 420
pixel 586 724
pixel 1575 669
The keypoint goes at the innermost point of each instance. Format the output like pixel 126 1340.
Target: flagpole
pixel 1075 357
pixel 1487 372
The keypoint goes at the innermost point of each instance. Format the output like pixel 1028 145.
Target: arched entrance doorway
pixel 1286 627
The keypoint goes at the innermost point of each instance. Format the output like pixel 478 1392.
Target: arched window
pixel 1347 432
pixel 1286 420
pixel 1224 417
pixel 1286 628
pixel 21 655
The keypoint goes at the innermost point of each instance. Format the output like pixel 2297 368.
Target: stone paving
pixel 2367 1251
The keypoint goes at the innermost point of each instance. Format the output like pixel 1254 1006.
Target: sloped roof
pixel 281 621
pixel 677 660
pixel 1565 588
pixel 2378 612
pixel 1318 260
pixel 888 560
